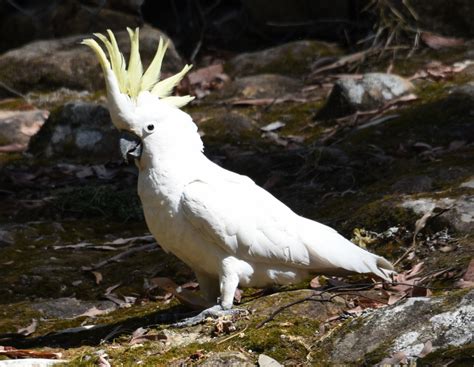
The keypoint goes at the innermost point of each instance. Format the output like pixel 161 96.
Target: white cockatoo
pixel 230 231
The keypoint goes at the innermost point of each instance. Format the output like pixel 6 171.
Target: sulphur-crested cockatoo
pixel 226 228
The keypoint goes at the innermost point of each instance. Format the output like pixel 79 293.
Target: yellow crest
pixel 133 80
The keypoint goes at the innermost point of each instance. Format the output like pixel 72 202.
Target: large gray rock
pixel 78 131
pixel 64 62
pixel 406 327
pixel 460 213
pixel 294 58
pixel 372 91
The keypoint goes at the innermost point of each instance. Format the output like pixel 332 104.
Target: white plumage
pixel 226 228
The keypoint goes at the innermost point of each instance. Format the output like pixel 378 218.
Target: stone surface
pixel 406 327
pixel 371 91
pixel 413 184
pixel 468 183
pixel 261 86
pixel 227 359
pixel 61 19
pixel 294 59
pixel 232 126
pixel 78 131
pixel 64 62
pixel 460 214
pixel 17 127
pixel 67 307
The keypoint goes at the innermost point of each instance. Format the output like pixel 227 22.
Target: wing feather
pixel 245 221
pixel 251 224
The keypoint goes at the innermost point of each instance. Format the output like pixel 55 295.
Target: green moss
pixel 100 200
pixel 16 315
pixel 217 134
pixel 377 355
pixel 382 214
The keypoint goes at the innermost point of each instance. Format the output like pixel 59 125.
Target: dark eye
pixel 150 128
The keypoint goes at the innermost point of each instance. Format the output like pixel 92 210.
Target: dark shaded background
pixel 194 25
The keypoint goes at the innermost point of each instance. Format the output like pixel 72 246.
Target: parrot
pixel 230 231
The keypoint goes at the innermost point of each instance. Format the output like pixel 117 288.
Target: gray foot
pixel 214 312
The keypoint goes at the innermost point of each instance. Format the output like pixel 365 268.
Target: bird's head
pixel 139 103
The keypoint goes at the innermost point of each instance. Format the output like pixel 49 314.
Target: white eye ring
pixel 150 128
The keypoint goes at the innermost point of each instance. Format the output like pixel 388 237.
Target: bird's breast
pixel 170 227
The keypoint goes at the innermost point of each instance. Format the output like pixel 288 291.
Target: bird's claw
pixel 213 312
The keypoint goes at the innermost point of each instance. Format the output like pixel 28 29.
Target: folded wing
pixel 251 224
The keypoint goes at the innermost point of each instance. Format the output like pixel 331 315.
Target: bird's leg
pixel 229 282
pixel 228 285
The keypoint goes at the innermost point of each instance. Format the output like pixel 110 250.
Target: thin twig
pixel 233 335
pixel 342 288
pixel 13 91
pixel 413 245
pixel 284 307
pixel 358 295
pixel 322 300
pixel 120 256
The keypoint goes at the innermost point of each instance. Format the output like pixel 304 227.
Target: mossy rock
pixel 260 86
pixel 437 122
pixel 405 326
pixel 64 62
pixel 292 59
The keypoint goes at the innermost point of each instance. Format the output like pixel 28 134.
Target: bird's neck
pixel 173 157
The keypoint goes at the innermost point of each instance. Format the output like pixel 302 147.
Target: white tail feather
pixel 332 253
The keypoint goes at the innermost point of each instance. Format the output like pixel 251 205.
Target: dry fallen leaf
pixel 436 42
pixel 314 283
pixel 30 329
pixel 98 277
pixel 206 74
pixel 469 274
pixel 94 312
pixel 190 285
pixel 13 148
pixel 140 335
pixel 467 280
pixel 427 349
pixel 396 359
pixel 185 296
pixel 273 126
pixel 395 297
pixel 223 327
pixel 406 285
pixel 238 295
pixel 266 361
pixel 342 61
pixel 103 362
pixel 11 352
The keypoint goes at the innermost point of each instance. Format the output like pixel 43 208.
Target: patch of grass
pixel 101 200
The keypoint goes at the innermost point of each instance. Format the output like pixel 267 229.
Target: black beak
pixel 130 146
